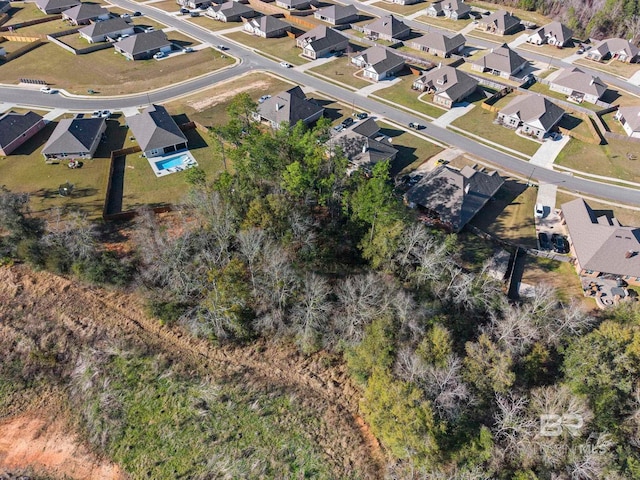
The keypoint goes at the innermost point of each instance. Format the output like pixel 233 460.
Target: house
pixel 17 128
pixel 555 34
pixel 451 196
pixel 5 6
pixel 267 27
pixel 294 4
pixel 291 106
pixel 447 84
pixel 84 13
pixel 616 49
pixel 51 7
pixel 533 114
pixel 337 14
pixel 453 9
pixel 578 85
pixel 378 63
pixel 629 117
pixel 231 12
pixel 501 61
pixel 439 44
pixel 143 46
pixel 321 41
pixel 406 2
pixel 156 132
pixel 387 28
pixel 74 138
pixel 192 4
pixel 108 29
pixel 363 145
pixel 500 22
pixel 602 247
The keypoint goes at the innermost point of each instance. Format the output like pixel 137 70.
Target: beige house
pixel 387 28
pixel 289 107
pixel 614 49
pixel 337 14
pixel 321 41
pixel 629 117
pixel 378 63
pixel 439 44
pixel 447 84
pixel 267 27
pixel 555 34
pixel 578 85
pixel 501 61
pixel 500 22
pixel 533 114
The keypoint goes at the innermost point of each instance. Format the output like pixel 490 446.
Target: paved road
pixel 250 61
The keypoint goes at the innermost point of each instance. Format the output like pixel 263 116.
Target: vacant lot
pixel 609 160
pixel 401 9
pixel 108 72
pixel 412 149
pixel 281 48
pixel 614 67
pixel 402 94
pixel 342 72
pixel 480 122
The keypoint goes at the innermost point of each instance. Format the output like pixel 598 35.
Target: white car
pixel 285 64
pixel 263 98
pixel 159 55
pixel 539 210
pixel 47 90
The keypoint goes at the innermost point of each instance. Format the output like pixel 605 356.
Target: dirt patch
pixel 30 441
pixel 222 97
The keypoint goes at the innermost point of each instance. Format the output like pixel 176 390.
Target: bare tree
pixel 250 244
pixel 409 365
pixel 310 314
pixel 514 428
pixel 588 461
pixel 73 232
pixel 445 387
pixel 276 282
pixel 632 27
pixel 513 329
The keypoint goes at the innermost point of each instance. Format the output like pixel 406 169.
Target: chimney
pixel 439 64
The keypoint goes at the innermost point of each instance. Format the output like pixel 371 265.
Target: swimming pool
pixel 172 162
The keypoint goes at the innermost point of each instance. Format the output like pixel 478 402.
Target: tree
pixel 310 313
pixel 487 367
pixel 196 176
pixel 374 351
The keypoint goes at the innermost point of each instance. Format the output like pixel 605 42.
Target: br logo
pixel 552 425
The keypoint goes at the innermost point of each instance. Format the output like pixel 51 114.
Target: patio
pixel 606 292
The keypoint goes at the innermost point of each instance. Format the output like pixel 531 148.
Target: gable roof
pixel 321 38
pixel 631 117
pixel 154 128
pixel 106 27
pixel 555 29
pixel 455 195
pixel 600 242
pixel 289 106
pixel 143 42
pixel 440 41
pixel 534 110
pixel 338 12
pixel 502 59
pixel 269 24
pixel 380 59
pixel 74 135
pixel 55 4
pixel 616 45
pixel 502 20
pixel 85 11
pixel 452 5
pixel 448 81
pixel 13 125
pixel 368 127
pixel 577 80
pixel 388 25
pixel 232 8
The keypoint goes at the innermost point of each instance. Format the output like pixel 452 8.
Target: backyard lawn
pixel 342 72
pixel 576 124
pixel 480 122
pixel 412 149
pixel 401 94
pixel 427 56
pixel 281 48
pixel 466 67
pixel 560 275
pixel 441 22
pixel 609 160
pixel 614 125
pixel 401 9
pixel 106 71
pixel 545 90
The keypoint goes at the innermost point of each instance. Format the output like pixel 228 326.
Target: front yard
pixel 342 72
pixel 412 149
pixel 401 94
pixel 549 50
pixel 211 24
pixel 441 22
pixel 106 71
pixel 401 9
pixel 283 48
pixel 624 70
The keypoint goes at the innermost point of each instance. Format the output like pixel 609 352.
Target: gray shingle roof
pixel 502 59
pixel 55 4
pixel 268 24
pixel 289 106
pixel 13 125
pixel 73 135
pixel 555 29
pixel 381 59
pixel 338 12
pixel 233 8
pixel 452 5
pixel 449 81
pixel 105 27
pixel 368 127
pixel 85 11
pixel 533 109
pixel 143 42
pixel 322 37
pixel 154 128
pixel 631 116
pixel 501 19
pixel 456 196
pixel 362 150
pixel 600 242
pixel 579 81
pixel 614 45
pixel 440 41
pixel 388 25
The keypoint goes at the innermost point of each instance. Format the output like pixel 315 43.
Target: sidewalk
pixel 548 151
pixel 518 41
pixel 5 107
pixel 313 63
pixel 53 114
pixel 374 87
pixel 452 115
pixel 469 28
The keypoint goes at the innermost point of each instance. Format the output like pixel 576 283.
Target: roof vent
pixel 278 106
pixel 630 253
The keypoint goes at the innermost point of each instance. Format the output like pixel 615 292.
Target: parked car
pixel 285 64
pixel 148 29
pixel 362 115
pixel 580 51
pixel 222 47
pixel 125 15
pixel 347 122
pixel 137 14
pixel 46 89
pixel 338 128
pixel 415 126
pixel 159 55
pixel 263 98
pixel 184 11
pixel 543 240
pixel 539 210
pixel 560 243
pixel 96 114
pixel 188 49
pixel 105 113
pixel 194 14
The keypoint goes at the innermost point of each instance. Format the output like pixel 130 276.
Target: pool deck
pixel 188 163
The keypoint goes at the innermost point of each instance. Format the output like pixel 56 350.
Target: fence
pixel 115 155
pixel 50 18
pixel 53 38
pixel 22 50
pixel 270 9
pixel 546 82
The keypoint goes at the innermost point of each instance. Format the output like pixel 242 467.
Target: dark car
pixel 362 116
pixel 543 240
pixel 347 122
pixel 184 11
pixel 194 14
pixel 415 126
pixel 137 14
pixel 560 244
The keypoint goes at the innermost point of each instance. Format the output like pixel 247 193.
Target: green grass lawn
pixel 283 48
pixel 613 124
pixel 614 67
pixel 211 24
pixel 401 94
pixel 466 67
pixel 342 72
pixel 494 38
pixel 545 90
pixel 412 149
pixel 167 5
pixel 22 12
pixel 608 160
pixel 45 28
pixel 209 107
pixel 576 124
pixel 480 122
pixel 549 50
pixel 401 9
pixel 441 22
pixel 106 71
pixel 510 215
pixel 560 275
